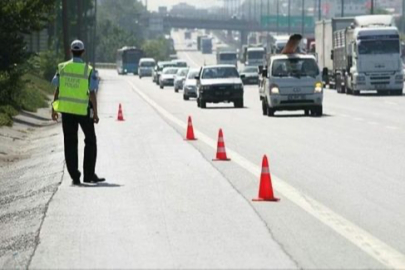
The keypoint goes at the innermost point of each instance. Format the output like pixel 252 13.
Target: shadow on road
pixel 224 108
pixel 301 116
pixel 100 185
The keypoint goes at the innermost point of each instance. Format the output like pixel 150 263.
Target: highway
pixel 350 161
pixel 167 204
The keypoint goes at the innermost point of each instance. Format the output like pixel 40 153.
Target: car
pixel 158 70
pixel 292 82
pixel 190 84
pixel 180 63
pixel 145 67
pixel 179 79
pixel 219 83
pixel 251 75
pixel 167 76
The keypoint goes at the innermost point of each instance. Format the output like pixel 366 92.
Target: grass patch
pixel 35 93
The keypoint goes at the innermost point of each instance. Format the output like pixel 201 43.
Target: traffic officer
pixel 75 98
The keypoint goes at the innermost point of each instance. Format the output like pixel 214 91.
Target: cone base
pixel 266 200
pixel 120 120
pixel 217 159
pixel 194 139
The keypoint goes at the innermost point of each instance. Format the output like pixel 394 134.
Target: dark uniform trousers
pixel 70 124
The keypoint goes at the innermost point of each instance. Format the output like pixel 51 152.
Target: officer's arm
pixel 56 94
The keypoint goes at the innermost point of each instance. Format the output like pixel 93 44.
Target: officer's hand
pixel 55 116
pixel 96 119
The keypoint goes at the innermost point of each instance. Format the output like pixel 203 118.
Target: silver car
pixel 190 84
pixel 179 79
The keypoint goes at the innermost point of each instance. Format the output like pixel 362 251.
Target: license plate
pixel 296 97
pixel 381 86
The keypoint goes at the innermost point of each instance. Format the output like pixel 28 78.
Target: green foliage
pixel 157 49
pixel 45 64
pixel 5 120
pixel 118 25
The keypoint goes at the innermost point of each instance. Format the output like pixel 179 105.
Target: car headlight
pixel 125 70
pixel 318 87
pixel 399 77
pixel 238 86
pixel 360 79
pixel 275 90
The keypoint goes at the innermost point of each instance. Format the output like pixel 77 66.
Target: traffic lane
pixel 343 171
pixel 157 209
pixel 308 241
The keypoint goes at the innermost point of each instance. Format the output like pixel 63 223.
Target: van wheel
pixel 238 103
pixel 270 111
pixel 264 107
pixel 306 112
pixel 185 97
pixel 203 104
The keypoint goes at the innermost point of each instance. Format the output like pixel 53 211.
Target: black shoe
pixel 94 180
pixel 76 183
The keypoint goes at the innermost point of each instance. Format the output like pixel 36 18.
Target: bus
pixel 128 60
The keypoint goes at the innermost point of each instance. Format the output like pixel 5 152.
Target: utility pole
pixel 303 17
pixel 79 19
pixel 372 7
pixel 261 12
pixel 343 9
pixel 289 17
pixel 94 35
pixel 278 13
pixel 403 16
pixel 65 27
pixel 319 10
pixel 268 13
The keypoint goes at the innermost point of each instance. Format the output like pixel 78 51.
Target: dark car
pixel 251 75
pixel 219 83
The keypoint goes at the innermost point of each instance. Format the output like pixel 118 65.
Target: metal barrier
pixel 106 66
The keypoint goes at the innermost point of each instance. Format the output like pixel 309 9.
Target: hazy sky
pixel 154 4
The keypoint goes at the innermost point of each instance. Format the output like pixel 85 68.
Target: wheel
pixel 264 107
pixel 338 85
pixel 176 90
pixel 198 103
pixel 238 103
pixel 307 111
pixel 203 104
pixel 161 86
pixel 317 111
pixel 140 77
pixel 270 111
pixel 185 97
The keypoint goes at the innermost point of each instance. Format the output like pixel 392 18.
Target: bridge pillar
pixel 243 37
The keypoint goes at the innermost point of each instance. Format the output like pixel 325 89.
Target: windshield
pixel 227 56
pixel 192 75
pixel 181 64
pixel 295 68
pixel 132 56
pixel 220 72
pixel 256 55
pixel 378 46
pixel 170 71
pixel 250 70
pixel 147 64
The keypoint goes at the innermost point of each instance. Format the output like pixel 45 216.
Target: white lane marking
pixel 391 127
pixel 371 245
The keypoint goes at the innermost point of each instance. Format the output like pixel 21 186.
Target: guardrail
pixel 106 66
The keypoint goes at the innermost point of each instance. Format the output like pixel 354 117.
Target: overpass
pixel 243 26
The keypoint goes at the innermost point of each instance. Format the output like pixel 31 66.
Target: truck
pixel 206 45
pixel 367 56
pixel 227 56
pixel 199 41
pixel 187 35
pixel 254 55
pixel 324 30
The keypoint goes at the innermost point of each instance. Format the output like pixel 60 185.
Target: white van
pixel 146 66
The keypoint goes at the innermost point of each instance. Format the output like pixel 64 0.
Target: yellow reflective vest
pixel 73 88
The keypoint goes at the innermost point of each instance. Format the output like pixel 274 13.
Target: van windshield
pixel 295 68
pixel 227 56
pixel 379 46
pixel 147 64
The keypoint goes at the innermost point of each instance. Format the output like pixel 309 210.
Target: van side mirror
pixel 197 78
pixel 242 76
pixel 331 55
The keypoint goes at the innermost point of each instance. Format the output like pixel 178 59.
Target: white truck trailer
pixel 324 30
pixel 367 56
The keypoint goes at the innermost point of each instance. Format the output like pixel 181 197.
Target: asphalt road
pixel 340 177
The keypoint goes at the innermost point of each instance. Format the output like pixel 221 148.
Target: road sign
pixel 296 21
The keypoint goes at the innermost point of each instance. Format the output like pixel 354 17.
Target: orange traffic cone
pixel 190 130
pixel 221 152
pixel 266 188
pixel 120 115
